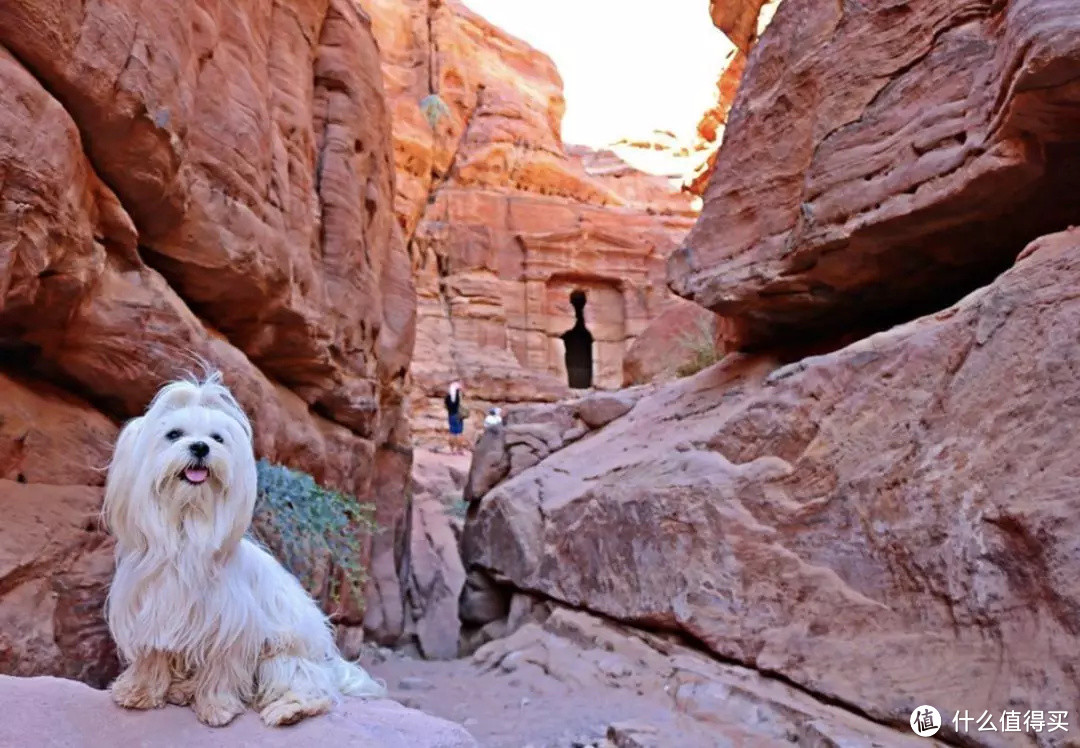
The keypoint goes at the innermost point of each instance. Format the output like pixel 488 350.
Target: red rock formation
pixel 882 160
pixel 870 525
pixel 890 524
pixel 55 561
pixel 504 222
pixel 711 128
pixel 681 335
pixel 191 183
pixel 742 21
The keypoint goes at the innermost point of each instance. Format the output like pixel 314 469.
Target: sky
pixel 629 66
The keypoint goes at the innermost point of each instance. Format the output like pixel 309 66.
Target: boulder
pixel 490 463
pixel 684 697
pixel 876 525
pixel 682 338
pixel 602 408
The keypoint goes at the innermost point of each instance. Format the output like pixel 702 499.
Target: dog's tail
pixel 353 680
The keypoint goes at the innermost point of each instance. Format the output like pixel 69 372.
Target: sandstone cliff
pixel 892 523
pixel 183 184
pixel 742 21
pixel 504 222
pixel 682 332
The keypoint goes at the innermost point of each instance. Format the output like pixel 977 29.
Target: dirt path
pixel 563 678
pixel 513 709
pixel 574 680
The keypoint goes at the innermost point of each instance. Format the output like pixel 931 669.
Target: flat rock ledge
pixel 53 712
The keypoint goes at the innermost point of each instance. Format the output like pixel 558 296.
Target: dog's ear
pixel 117 510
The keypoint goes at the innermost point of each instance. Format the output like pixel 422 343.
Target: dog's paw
pixel 181 692
pixel 217 712
pixel 127 691
pixel 290 709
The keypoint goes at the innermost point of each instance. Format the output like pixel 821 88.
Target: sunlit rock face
pixel 890 523
pixel 505 222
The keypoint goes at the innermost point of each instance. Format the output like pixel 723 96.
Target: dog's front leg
pixel 144 683
pixel 218 686
pixel 181 682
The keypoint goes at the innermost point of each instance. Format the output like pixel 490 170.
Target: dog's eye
pixel 174 435
pixel 217 438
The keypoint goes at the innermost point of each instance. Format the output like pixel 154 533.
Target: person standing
pixel 456 421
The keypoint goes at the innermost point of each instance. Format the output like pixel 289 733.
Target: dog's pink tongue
pixel 196 475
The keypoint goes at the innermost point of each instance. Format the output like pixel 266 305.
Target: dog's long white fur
pixel 201 613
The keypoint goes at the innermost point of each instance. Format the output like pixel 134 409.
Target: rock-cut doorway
pixel 578 342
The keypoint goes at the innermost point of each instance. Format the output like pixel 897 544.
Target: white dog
pixel 201 614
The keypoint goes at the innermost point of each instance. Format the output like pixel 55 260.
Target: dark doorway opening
pixel 578 341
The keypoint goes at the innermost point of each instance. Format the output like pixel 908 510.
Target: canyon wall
pixel 188 185
pixel 911 154
pixel 504 222
pixel 893 523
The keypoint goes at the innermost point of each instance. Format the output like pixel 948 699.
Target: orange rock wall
pixel 182 183
pixel 504 222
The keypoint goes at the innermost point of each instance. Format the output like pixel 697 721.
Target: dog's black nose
pixel 199 449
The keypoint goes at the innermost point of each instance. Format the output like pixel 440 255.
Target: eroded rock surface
pixel 187 184
pixel 889 525
pixel 883 159
pixel 435 575
pixel 532 432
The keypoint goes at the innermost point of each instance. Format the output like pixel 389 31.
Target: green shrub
pixel 434 109
pixel 314 531
pixel 699 345
pixel 455 504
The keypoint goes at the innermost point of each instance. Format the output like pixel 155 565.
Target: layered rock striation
pixel 881 162
pixel 505 221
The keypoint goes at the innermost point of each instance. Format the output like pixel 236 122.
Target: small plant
pixel 313 530
pixel 456 506
pixel 434 109
pixel 699 345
